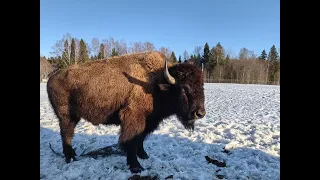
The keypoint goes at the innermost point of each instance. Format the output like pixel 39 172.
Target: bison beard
pixel 189 125
pixel 133 91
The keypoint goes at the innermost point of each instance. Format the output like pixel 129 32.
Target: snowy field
pixel 243 119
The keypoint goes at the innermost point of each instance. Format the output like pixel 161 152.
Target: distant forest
pixel 217 64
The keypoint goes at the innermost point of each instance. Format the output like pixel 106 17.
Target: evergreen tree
pixel 219 54
pixel 84 57
pixel 173 57
pixel 179 59
pixel 211 60
pixel 273 64
pixel 227 59
pixel 263 55
pixel 273 54
pixel 206 53
pixel 101 54
pixel 73 52
pixel 114 52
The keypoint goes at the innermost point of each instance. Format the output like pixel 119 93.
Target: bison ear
pixel 164 87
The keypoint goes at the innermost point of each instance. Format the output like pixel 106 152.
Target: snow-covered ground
pixel 245 119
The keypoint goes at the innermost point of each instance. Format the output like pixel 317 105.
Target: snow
pixel 244 119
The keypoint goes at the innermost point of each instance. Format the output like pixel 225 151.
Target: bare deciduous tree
pixel 186 55
pixel 166 51
pixel 197 50
pixel 45 69
pixel 58 47
pixel 106 45
pixel 244 53
pixel 148 46
pixel 123 47
pixel 251 55
pixel 137 47
pixel 95 45
pixel 77 54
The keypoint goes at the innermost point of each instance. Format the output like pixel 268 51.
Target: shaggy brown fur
pixel 130 91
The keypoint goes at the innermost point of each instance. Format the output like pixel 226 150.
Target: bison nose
pixel 200 113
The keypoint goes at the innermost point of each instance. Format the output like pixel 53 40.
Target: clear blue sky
pixel 177 24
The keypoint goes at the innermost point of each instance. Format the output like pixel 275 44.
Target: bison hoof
pixel 136 169
pixel 68 160
pixel 143 155
pixel 69 154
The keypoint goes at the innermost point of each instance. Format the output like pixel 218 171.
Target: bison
pixel 135 91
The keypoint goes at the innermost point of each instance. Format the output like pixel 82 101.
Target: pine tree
pixel 73 52
pixel 173 57
pixel 114 52
pixel 84 57
pixel 220 58
pixel 219 54
pixel 273 64
pixel 211 60
pixel 273 54
pixel 101 54
pixel 179 59
pixel 206 53
pixel 227 60
pixel 263 55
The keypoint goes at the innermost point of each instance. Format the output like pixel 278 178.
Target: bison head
pixel 186 92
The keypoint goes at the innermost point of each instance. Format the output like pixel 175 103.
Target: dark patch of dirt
pixel 226 151
pixel 220 176
pixel 106 151
pixel 138 177
pixel 215 162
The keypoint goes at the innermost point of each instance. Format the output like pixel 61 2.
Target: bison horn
pixel 167 75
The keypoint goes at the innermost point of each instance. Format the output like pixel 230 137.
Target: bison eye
pixel 186 93
pixel 185 97
pixel 186 88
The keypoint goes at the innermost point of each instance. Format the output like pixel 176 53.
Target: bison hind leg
pixel 67 123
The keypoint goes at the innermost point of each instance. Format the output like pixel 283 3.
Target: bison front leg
pixel 132 127
pixel 141 153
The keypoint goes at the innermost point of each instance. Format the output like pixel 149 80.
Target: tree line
pixel 246 68
pixel 216 63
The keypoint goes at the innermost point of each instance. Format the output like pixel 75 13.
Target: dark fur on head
pixel 188 93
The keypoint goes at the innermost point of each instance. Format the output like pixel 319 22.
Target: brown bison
pixel 135 91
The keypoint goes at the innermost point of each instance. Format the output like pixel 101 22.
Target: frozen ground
pixel 245 119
